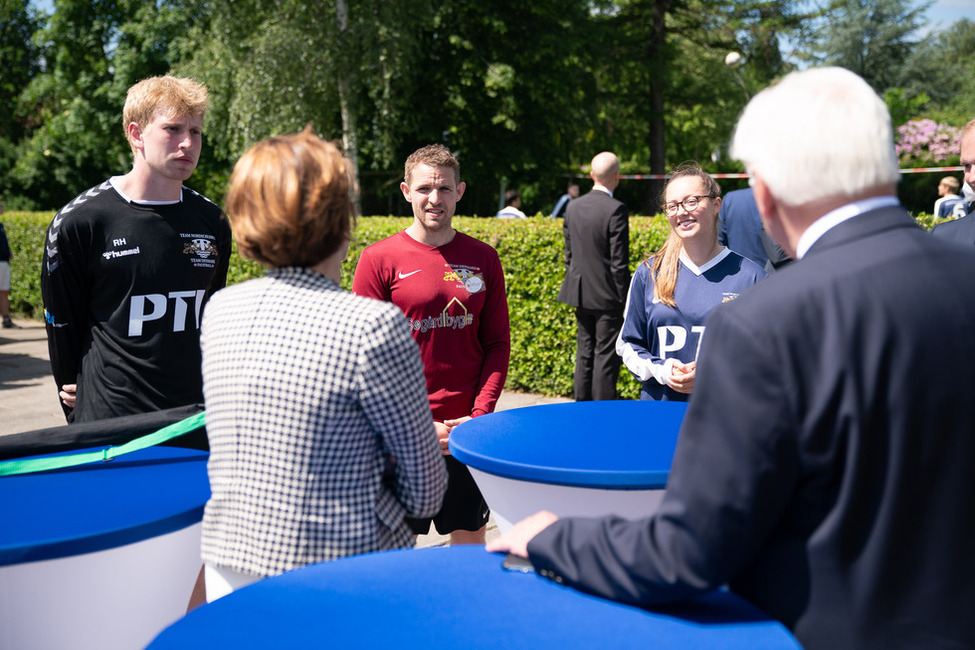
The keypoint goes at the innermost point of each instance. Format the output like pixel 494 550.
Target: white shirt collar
pixel 115 180
pixel 834 218
pixel 693 268
pixel 602 188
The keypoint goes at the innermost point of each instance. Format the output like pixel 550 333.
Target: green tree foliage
pixel 19 61
pixel 525 94
pixel 512 86
pixel 938 75
pixel 672 78
pixel 873 38
pixel 93 51
pixel 275 67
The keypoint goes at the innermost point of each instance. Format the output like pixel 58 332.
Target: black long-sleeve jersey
pixel 124 286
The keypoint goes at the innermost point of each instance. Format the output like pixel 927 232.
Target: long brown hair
pixel 665 262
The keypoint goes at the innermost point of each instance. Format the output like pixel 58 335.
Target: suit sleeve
pixel 619 250
pixel 494 334
pixel 733 472
pixel 394 398
pixel 560 206
pixel 568 243
pixel 723 224
pixel 65 293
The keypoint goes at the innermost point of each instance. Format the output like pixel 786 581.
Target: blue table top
pixel 454 597
pixel 101 505
pixel 616 444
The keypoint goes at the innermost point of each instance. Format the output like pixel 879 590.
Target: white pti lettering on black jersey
pixel 124 286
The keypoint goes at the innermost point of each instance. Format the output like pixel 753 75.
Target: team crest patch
pixel 200 248
pixel 467 277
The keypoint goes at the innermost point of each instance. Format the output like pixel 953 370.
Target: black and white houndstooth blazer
pixel 321 437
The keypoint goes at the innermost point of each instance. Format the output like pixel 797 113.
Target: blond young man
pixel 129 264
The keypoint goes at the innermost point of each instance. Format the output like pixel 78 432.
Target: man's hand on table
pixel 516 540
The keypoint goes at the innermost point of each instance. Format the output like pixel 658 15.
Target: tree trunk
pixel 656 62
pixel 349 140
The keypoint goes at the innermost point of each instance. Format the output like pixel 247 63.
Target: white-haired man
pixel 823 470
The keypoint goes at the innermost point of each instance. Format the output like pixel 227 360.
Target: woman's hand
pixel 682 377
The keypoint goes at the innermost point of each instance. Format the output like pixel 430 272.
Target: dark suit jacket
pixel 826 464
pixel 740 228
pixel 960 230
pixel 597 253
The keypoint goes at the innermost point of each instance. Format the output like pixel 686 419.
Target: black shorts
pixel 463 506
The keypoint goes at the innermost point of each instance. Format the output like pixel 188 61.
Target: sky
pixel 946 12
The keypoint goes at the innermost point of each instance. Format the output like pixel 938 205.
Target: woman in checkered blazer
pixel 321 437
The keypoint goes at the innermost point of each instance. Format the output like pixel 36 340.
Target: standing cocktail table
pixel 102 555
pixel 574 459
pixel 456 597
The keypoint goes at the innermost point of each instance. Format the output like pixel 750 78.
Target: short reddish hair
pixel 290 200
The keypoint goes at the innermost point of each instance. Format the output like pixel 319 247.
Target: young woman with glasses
pixel 674 289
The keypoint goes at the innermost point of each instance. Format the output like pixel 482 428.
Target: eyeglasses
pixel 689 204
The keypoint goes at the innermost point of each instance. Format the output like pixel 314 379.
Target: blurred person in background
pixel 5 256
pixel 596 229
pixel 571 192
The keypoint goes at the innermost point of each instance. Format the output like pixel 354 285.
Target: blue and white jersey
pixel 655 335
pixel 953 207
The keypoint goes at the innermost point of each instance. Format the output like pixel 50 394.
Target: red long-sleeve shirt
pixel 454 299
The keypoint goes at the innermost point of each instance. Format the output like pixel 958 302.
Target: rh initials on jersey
pixel 155 306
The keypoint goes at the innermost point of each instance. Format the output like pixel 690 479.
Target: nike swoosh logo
pixel 403 276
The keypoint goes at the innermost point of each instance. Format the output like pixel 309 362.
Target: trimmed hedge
pixel 543 330
pixel 26 232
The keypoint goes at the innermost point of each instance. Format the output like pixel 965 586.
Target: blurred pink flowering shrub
pixel 925 140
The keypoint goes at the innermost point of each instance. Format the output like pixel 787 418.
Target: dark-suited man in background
pixel 963 230
pixel 824 466
pixel 740 229
pixel 597 276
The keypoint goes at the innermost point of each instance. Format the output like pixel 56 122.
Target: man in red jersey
pixel 451 288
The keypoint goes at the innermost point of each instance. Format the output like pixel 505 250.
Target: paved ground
pixel 28 399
